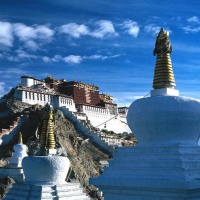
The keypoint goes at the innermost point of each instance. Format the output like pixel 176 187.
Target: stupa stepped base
pixel 69 191
pixel 15 173
pixel 152 173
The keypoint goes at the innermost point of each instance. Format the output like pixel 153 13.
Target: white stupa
pixel 45 174
pixel 165 165
pixel 20 151
pixel 14 167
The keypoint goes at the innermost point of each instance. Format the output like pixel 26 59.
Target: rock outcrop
pixel 5 185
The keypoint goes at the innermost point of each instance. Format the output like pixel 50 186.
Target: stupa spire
pixel 47 140
pixel 163 74
pixel 20 140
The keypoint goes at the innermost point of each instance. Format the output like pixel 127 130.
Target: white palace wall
pixel 30 81
pixel 33 97
pixel 101 118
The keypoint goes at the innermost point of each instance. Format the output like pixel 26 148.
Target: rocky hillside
pixel 83 154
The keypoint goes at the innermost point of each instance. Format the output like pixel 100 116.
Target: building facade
pixel 81 93
pixel 83 100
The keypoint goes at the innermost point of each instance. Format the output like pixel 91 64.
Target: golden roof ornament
pixel 163 73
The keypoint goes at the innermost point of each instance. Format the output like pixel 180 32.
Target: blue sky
pixel 108 43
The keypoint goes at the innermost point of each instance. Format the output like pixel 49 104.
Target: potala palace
pixel 82 100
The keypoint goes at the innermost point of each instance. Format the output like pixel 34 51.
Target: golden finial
pixel 20 141
pixel 163 73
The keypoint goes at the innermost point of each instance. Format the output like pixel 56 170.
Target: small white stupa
pixel 20 151
pixel 165 165
pixel 45 175
pixel 14 166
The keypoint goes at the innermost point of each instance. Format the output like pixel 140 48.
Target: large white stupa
pixel 165 165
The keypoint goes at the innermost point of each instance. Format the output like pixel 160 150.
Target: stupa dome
pixel 165 119
pixel 45 169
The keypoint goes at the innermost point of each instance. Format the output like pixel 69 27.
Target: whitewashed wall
pixel 42 99
pixel 29 82
pixel 102 119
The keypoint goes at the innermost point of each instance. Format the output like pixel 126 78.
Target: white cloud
pixel 30 44
pixel 26 33
pixel 131 28
pixel 189 29
pixel 97 56
pixel 56 58
pixel 105 28
pixel 72 59
pixel 152 29
pixel 74 30
pixel 18 55
pixel 31 35
pixel 46 59
pixel 12 71
pixel 193 19
pixel 24 55
pixel 75 59
pixel 6 34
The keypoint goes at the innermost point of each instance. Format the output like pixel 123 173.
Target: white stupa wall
pixel 164 92
pixel 164 165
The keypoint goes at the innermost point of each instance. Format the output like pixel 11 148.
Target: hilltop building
pixel 83 100
pixel 33 91
pixel 81 93
pixel 165 165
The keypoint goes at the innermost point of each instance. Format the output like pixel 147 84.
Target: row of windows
pixel 45 97
pixel 39 97
pixel 88 108
pixel 66 101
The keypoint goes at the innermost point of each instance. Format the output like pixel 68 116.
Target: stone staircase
pixel 7 134
pixel 68 191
